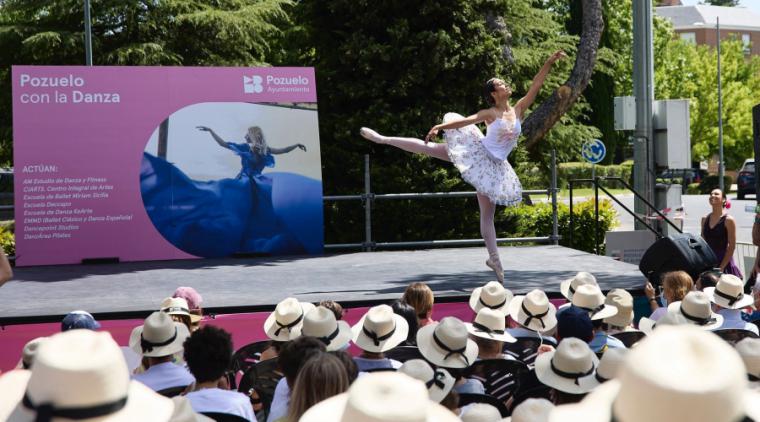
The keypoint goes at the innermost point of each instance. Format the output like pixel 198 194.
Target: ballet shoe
pixel 494 263
pixel 371 135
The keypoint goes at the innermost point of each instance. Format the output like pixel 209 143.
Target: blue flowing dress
pixel 234 215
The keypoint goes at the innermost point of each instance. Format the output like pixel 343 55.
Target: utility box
pixel 672 143
pixel 625 113
pixel 668 200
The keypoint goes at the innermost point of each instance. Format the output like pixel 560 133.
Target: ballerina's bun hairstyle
pixel 488 89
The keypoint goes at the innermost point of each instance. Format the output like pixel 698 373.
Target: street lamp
pixel 87 34
pixel 721 165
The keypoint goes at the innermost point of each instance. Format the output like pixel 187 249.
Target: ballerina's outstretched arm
pixel 476 118
pixel 286 149
pixel 538 82
pixel 216 137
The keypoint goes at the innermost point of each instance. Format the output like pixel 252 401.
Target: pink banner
pixel 97 175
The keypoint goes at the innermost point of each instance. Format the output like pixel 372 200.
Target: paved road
pixel 696 207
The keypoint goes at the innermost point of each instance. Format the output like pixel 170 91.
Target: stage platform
pixel 40 294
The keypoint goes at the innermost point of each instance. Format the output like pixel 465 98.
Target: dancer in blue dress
pixel 482 160
pixel 221 217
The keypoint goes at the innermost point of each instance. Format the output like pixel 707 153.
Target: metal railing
pixel 368 198
pixel 597 185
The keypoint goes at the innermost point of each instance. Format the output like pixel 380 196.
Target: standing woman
pixel 719 231
pixel 482 160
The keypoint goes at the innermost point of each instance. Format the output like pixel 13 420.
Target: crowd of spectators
pixel 696 357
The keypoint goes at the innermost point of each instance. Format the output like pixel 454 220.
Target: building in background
pixel 697 24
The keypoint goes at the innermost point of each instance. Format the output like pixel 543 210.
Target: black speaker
pixel 679 252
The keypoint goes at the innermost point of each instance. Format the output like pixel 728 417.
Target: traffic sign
pixel 593 151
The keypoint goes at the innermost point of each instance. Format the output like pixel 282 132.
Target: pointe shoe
pixel 494 263
pixel 371 135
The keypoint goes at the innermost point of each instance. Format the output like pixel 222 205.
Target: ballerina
pixel 482 160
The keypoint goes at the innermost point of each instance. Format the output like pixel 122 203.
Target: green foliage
pixel 684 70
pixel 135 32
pixel 713 181
pixel 398 66
pixel 693 189
pixel 8 238
pixel 727 3
pixel 536 220
pixel 582 170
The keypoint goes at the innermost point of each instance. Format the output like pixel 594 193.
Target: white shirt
pixel 732 318
pixel 221 401
pixel 280 401
pixel 165 375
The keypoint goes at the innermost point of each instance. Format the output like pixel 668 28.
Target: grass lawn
pixel 582 192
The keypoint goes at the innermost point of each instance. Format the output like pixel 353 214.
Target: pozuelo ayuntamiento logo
pixel 253 84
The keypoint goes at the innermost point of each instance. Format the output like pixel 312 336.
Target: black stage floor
pixel 235 285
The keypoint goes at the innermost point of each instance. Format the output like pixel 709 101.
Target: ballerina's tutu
pixel 490 176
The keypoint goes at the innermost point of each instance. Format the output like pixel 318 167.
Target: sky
pixel 750 4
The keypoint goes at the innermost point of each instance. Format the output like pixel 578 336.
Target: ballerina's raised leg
pixel 417 146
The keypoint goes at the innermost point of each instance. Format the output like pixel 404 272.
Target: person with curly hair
pixel 208 353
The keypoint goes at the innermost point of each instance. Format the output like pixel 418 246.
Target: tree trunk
pixel 543 118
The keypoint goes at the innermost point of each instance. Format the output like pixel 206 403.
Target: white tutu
pixel 489 176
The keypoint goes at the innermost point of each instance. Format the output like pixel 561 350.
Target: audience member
pixel 493 295
pixel 574 322
pixel 79 373
pixel 410 315
pixel 707 279
pixel 438 381
pixel 610 364
pixel 569 286
pixel 177 309
pixel 589 298
pixel 321 377
pixel 480 412
pixel 534 315
pixel 675 286
pixel 30 350
pixel 447 345
pixel 272 350
pixel 729 299
pixel 79 320
pixel 749 350
pixel 623 319
pixel 755 292
pixel 378 331
pixel 208 353
pixel 381 397
pixel 488 330
pixel 348 362
pixel 321 324
pixel 695 309
pixel 158 339
pixel 532 410
pixel 568 370
pixel 421 298
pixel 676 374
pixel 287 319
pixel 333 306
pixel 292 357
pixel 194 301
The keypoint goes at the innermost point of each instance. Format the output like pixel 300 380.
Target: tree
pixel 728 3
pixel 134 32
pixel 685 70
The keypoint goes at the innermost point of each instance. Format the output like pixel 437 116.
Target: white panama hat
pixel 380 329
pixel 589 297
pixel 569 286
pixel 623 301
pixel 480 412
pixel 285 322
pixel 749 350
pixel 158 336
pixel 446 344
pixel 175 306
pixel 381 397
pixel 694 309
pixel 320 322
pixel 673 375
pixel 438 381
pixel 729 293
pixel 490 324
pixel 82 374
pixel 610 363
pixel 493 295
pixel 570 368
pixel 534 311
pixel 531 410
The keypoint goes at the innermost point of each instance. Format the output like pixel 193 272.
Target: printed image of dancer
pixel 482 160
